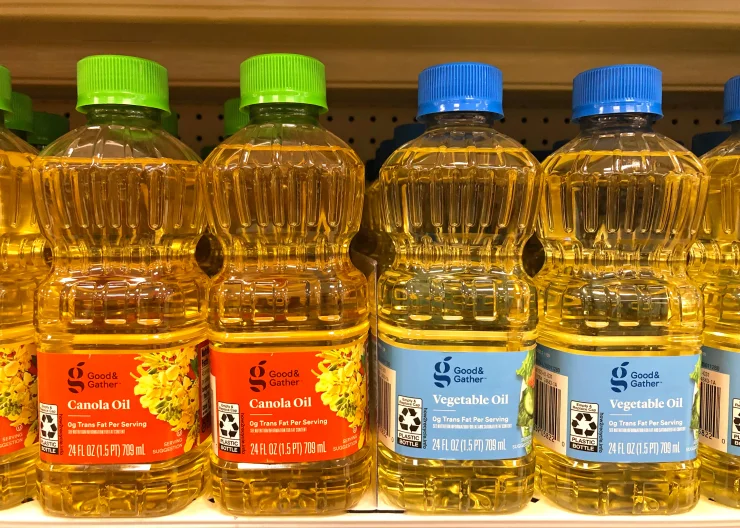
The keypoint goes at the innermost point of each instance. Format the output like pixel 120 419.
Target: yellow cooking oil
pixel 288 316
pixel 714 266
pixel 618 360
pixel 23 267
pixel 457 314
pixel 123 361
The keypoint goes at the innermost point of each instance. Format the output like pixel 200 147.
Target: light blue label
pixel 719 423
pixel 455 405
pixel 618 408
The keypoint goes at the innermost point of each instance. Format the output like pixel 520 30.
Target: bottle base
pixel 618 489
pixel 309 488
pixel 18 477
pixel 136 490
pixel 720 476
pixel 447 486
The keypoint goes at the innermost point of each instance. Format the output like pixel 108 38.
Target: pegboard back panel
pixel 537 121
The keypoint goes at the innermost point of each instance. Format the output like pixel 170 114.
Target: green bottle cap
pixel 21 113
pixel 234 117
pixel 283 78
pixel 121 80
pixel 5 89
pixel 170 122
pixel 47 127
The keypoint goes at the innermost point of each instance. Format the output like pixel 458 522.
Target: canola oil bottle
pixel 123 358
pixel 22 268
pixel 20 119
pixel 457 314
pixel 288 318
pixel 47 128
pixel 714 266
pixel 618 357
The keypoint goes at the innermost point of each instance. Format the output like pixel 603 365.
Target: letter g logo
pixel 75 373
pixel 619 384
pixel 441 368
pixel 255 375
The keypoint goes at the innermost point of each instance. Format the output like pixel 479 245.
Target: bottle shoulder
pixel 284 145
pixel 119 144
pixel 10 143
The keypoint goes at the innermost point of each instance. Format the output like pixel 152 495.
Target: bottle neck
pixel 124 115
pixel 618 123
pixel 292 113
pixel 458 119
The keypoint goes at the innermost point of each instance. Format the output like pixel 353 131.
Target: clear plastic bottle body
pixel 459 202
pixel 120 204
pixel 714 266
pixel 23 268
pixel 286 199
pixel 622 205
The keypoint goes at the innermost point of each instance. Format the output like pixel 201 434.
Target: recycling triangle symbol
pixel 228 425
pixel 48 427
pixel 408 420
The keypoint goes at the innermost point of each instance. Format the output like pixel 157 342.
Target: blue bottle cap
pixel 732 100
pixel 459 87
pixel 385 149
pixel 703 143
pixel 402 134
pixel 620 89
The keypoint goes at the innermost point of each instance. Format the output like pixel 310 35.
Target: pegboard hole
pixel 198 138
pixel 566 120
pixel 696 121
pixel 220 138
pixel 545 142
pixel 545 120
pixel 717 121
pixel 503 120
pixel 372 141
pixel 351 118
pixel 674 121
pixel 523 141
pixel 394 119
pixel 329 118
pixel 198 116
pixel 351 141
pixel 67 114
pixel 372 119
pixel 524 119
pixel 178 115
pixel 220 117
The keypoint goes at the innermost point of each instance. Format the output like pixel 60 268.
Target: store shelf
pixel 380 44
pixel 204 514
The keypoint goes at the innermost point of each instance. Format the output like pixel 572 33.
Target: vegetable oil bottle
pixel 22 269
pixel 715 267
pixel 123 359
pixel 47 128
pixel 618 356
pixel 20 119
pixel 457 314
pixel 288 317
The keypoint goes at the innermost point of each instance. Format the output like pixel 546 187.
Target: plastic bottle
pixel 288 316
pixel 457 315
pixel 618 357
pixel 715 268
pixel 47 128
pixel 20 119
pixel 123 358
pixel 22 269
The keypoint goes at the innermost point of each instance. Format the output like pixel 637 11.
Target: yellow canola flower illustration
pixel 343 385
pixel 19 388
pixel 168 391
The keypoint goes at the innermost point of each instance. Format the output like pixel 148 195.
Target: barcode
pixel 384 407
pixel 547 417
pixel 709 412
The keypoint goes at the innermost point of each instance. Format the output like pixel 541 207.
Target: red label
pixel 18 390
pixel 123 407
pixel 296 406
